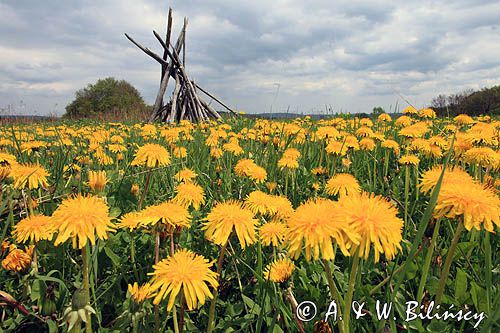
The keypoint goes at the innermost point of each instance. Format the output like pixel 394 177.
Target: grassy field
pixel 234 226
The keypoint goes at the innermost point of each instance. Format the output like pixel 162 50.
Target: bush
pixel 106 97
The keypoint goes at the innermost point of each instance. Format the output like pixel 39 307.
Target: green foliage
pixel 378 111
pixel 105 96
pixel 470 102
pixel 246 301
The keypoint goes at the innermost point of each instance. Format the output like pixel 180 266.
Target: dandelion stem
pixel 407 192
pixel 211 312
pixel 132 255
pixel 177 325
pixel 448 261
pixel 181 314
pixel 488 269
pixel 174 316
pixel 85 272
pixel 146 187
pixel 334 292
pixel 350 290
pixel 157 258
pixel 386 163
pixel 388 278
pixel 293 302
pixel 427 263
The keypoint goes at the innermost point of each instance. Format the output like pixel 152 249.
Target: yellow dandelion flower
pixel 81 218
pixel 180 152
pixel 148 130
pixel 409 160
pixel 18 260
pixel 169 213
pixel 336 148
pixel 257 173
pixel 248 168
pixel 435 152
pixel 134 189
pixel 141 293
pixel 280 270
pixel 416 130
pixel 242 167
pixel 292 153
pixel 430 178
pixel 375 220
pixel 420 145
pixel 6 163
pixel 185 175
pixel 29 147
pixel 260 203
pixel 117 148
pixel 7 160
pixel 225 217
pixel 364 132
pixel 481 155
pixel 342 184
pixel 384 117
pixel 366 122
pixel 462 144
pixel 319 171
pixel 216 152
pixel 33 229
pixel 346 162
pixel 391 144
pixel 403 121
pixel 233 147
pixel 212 140
pixel 97 180
pixel 189 194
pixel 151 155
pixel 131 221
pixel 102 157
pixel 184 271
pixel 288 163
pixel 367 144
pixel 313 227
pixel 483 133
pixel 410 110
pixel 327 132
pixel 351 142
pixel 474 202
pixel 271 186
pixel 463 119
pixel 427 113
pixel 31 175
pixel 284 207
pixel 272 233
pixel 117 139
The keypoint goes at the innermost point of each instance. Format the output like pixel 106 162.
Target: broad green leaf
pixel 111 255
pixel 460 286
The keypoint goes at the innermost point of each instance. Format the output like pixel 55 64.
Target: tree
pixel 439 102
pixel 106 96
pixel 473 103
pixel 378 111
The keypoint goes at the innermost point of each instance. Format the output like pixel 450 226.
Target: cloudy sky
pixel 256 55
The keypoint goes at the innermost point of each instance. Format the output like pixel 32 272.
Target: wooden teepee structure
pixel 185 102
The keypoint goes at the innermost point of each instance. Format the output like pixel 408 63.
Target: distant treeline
pixel 473 103
pixel 21 119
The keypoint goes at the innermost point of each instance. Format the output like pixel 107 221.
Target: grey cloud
pixel 347 54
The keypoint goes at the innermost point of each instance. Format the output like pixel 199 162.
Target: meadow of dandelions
pixel 228 226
